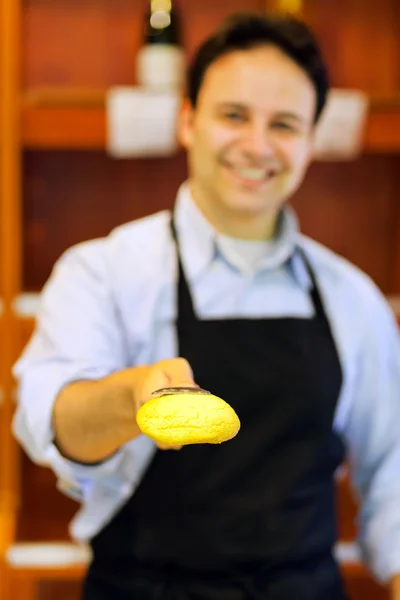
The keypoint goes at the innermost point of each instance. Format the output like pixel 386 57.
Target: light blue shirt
pixel 111 303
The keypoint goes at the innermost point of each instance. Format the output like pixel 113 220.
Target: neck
pixel 242 225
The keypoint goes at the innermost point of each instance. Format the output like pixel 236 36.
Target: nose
pixel 257 142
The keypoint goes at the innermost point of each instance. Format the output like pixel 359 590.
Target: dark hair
pixel 247 30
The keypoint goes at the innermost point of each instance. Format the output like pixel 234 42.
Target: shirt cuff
pixel 381 547
pixel 76 479
pixel 34 428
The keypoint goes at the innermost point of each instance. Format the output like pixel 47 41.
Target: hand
pixel 174 372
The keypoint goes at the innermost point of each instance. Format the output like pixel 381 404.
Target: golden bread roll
pixel 187 416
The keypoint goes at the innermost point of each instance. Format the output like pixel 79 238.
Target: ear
pixel 185 124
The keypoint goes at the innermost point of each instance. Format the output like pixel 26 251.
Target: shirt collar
pixel 196 235
pixel 198 240
pixel 300 271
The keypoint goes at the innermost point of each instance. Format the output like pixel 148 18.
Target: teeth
pixel 255 174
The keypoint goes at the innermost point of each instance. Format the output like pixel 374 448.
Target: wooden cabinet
pixel 58 186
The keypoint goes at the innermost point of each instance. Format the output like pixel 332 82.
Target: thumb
pixel 178 372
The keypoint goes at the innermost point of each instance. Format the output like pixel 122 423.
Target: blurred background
pixel 70 170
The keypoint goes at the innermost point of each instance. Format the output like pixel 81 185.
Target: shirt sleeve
pixel 78 336
pixel 372 434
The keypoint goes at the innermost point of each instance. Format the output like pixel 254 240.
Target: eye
pixel 234 116
pixel 283 126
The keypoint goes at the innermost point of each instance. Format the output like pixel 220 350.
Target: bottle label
pixel 161 66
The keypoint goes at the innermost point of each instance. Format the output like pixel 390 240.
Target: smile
pixel 252 177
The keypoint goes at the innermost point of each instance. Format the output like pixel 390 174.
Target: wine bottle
pixel 161 59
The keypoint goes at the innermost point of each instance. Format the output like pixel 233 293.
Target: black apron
pixel 255 517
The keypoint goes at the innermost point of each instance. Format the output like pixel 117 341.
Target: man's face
pixel 249 138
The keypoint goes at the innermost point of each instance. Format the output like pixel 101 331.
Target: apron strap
pixel 315 293
pixel 185 301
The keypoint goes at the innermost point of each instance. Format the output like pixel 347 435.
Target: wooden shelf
pixel 383 126
pixel 63 119
pixel 75 119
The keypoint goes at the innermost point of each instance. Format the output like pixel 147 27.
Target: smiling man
pixel 297 340
pixel 249 133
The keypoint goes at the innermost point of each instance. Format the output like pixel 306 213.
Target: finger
pixel 184 365
pixel 179 373
pixel 165 447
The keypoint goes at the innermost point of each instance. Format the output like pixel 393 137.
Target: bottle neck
pixel 162 26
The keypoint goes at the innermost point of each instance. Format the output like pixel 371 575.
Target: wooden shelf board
pixel 63 118
pixel 383 126
pixel 75 119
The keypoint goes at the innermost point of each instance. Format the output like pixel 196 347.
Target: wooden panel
pixel 360 41
pixel 9 254
pixel 56 37
pixel 361 586
pixel 350 207
pixel 62 590
pixel 44 512
pixel 9 153
pixel 70 197
pixel 7 527
pixel 66 128
pixel 2 340
pixel 382 132
pixel 42 584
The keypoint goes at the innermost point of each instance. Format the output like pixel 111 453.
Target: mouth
pixel 253 178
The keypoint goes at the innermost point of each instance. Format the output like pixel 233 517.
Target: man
pixel 298 341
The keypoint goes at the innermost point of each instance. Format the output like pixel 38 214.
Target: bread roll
pixel 186 417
